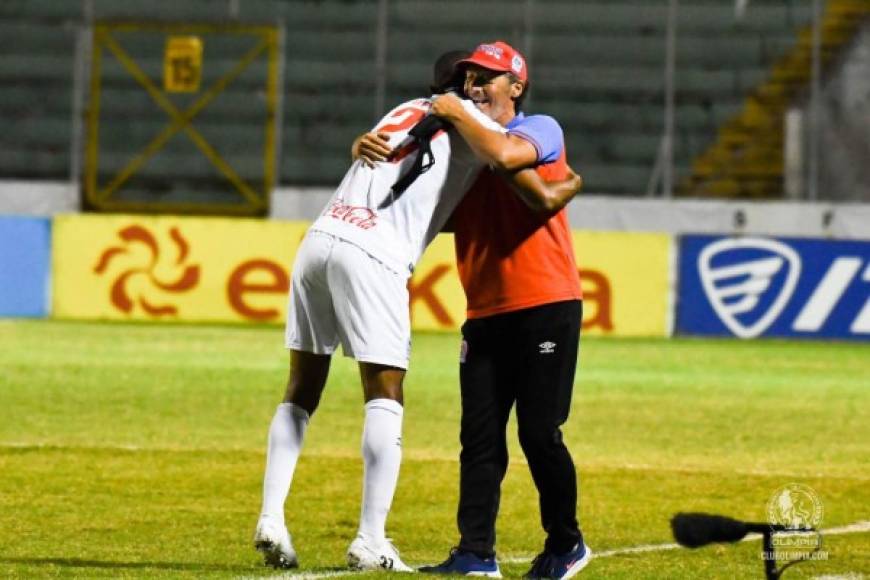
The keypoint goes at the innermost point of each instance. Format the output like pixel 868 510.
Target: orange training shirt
pixel 508 257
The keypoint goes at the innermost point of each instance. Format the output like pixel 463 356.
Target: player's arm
pixel 503 151
pixel 543 197
pixel 371 147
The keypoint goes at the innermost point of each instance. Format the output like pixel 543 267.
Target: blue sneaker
pixel 549 565
pixel 465 564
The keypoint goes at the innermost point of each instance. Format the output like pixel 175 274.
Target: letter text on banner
pixel 437 298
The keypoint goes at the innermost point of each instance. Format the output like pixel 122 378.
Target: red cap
pixel 499 56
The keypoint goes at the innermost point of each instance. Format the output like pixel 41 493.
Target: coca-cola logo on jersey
pixel 361 217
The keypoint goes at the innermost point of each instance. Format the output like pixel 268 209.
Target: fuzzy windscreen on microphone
pixel 694 530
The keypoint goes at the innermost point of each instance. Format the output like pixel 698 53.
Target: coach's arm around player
pixel 542 197
pixel 512 156
pixel 502 151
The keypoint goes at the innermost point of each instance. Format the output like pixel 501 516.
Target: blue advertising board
pixel 25 263
pixel 788 287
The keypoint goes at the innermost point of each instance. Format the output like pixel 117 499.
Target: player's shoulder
pixel 422 103
pixel 540 122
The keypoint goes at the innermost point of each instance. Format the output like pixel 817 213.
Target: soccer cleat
pixel 365 555
pixel 549 565
pixel 273 541
pixel 465 564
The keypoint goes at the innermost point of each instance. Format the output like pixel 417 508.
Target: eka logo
pixel 748 281
pixel 120 293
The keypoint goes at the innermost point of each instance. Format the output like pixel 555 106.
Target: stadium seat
pixel 41 10
pixel 597 66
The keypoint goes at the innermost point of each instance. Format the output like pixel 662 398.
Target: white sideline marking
pixel 854 528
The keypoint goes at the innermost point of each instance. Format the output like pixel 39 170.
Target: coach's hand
pixel 371 148
pixel 447 107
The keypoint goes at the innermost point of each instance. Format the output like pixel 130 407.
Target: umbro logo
pixel 547 347
pixel 386 563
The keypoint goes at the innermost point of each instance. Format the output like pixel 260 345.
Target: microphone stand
pixel 770 570
pixel 694 530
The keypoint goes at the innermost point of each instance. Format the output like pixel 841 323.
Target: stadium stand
pixel 746 158
pixel 596 66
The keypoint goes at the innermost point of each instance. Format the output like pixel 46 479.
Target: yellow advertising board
pixel 624 276
pixel 172 268
pixel 237 270
pixel 626 282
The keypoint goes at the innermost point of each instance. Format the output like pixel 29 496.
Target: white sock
pixel 382 455
pixel 286 434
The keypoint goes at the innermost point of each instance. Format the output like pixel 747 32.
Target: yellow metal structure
pixel 182 72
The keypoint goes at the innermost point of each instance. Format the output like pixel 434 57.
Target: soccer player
pixel 520 342
pixel 349 286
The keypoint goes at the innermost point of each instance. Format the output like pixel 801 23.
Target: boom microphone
pixel 694 530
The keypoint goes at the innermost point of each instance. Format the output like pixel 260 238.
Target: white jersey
pixel 398 234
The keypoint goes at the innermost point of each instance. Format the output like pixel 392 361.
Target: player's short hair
pixel 445 76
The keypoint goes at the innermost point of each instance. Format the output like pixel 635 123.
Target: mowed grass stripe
pixel 767 406
pixel 176 512
pixel 132 450
pixel 13 446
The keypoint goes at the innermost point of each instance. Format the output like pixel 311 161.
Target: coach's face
pixel 493 92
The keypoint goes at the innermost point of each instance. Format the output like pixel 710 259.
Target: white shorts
pixel 339 293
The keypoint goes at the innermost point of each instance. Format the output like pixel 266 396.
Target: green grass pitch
pixel 136 450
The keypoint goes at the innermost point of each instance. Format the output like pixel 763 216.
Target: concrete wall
pixel 587 212
pixel 37 198
pixel 604 213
